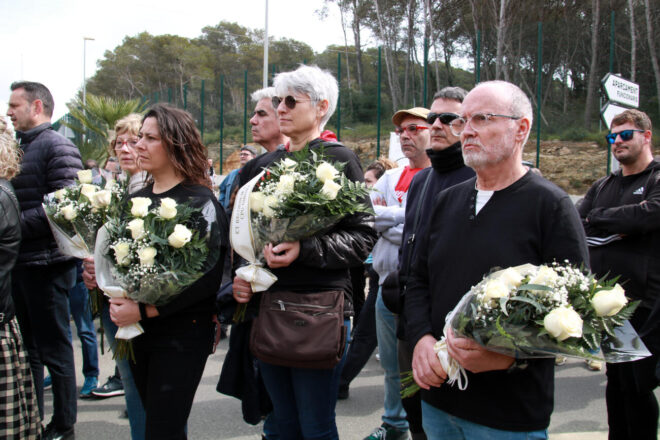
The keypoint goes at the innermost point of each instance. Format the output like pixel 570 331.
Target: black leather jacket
pixel 50 162
pixel 10 240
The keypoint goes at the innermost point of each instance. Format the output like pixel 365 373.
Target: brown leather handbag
pixel 302 330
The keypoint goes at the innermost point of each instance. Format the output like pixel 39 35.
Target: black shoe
pixel 52 433
pixel 342 394
pixel 113 387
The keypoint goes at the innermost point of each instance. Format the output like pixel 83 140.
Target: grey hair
pixel 453 93
pixel 265 93
pixel 312 81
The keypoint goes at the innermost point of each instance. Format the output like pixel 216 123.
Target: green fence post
pixel 426 70
pixel 245 110
pixel 201 110
pixel 156 97
pixel 478 63
pixel 612 36
pixel 169 95
pixel 185 96
pixel 378 105
pixel 338 95
pixel 273 75
pixel 222 119
pixel 538 94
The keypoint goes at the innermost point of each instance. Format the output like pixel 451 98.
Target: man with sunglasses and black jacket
pixel 621 218
pixel 447 169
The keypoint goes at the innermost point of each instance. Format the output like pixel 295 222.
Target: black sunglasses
pixel 289 101
pixel 445 118
pixel 626 135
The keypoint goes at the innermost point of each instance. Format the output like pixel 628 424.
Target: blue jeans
pixel 438 425
pixel 82 316
pixel 304 399
pixel 41 297
pixel 386 321
pixel 136 414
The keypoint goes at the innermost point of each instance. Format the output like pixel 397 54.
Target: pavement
pixel 580 412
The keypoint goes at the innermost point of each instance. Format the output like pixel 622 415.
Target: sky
pixel 42 40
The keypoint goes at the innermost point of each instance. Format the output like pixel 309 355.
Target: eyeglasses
pixel 626 135
pixel 477 121
pixel 444 118
pixel 289 101
pixel 411 129
pixel 119 143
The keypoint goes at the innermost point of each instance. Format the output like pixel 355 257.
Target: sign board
pixel 609 111
pixel 396 155
pixel 621 91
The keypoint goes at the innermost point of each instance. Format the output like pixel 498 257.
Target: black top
pixel 613 205
pixel 197 301
pixel 10 240
pixel 530 221
pixel 324 260
pixel 50 162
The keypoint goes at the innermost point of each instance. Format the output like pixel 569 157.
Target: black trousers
pixel 169 362
pixel 632 409
pixel 364 339
pixel 41 297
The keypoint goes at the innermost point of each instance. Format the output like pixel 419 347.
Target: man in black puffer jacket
pixel 43 276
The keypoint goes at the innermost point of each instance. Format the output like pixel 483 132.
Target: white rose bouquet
pixel 297 197
pixel 154 251
pixel 541 311
pixel 76 213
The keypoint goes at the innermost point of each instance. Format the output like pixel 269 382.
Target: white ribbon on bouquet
pixel 243 241
pixel 108 284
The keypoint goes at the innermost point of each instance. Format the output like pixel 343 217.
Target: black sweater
pixel 197 301
pixel 530 221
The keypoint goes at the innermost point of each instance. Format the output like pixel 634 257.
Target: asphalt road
pixel 580 412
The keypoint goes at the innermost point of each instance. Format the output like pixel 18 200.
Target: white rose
pixel 85 176
pixel 88 190
pixel 167 208
pixel 609 302
pixel 122 251
pixel 60 194
pixel 494 289
pixel 330 189
pixel 270 202
pixel 286 184
pixel 136 226
pixel 140 206
pixel 563 323
pixel 147 256
pixel 256 201
pixel 289 164
pixel 69 212
pixel 101 199
pixel 179 237
pixel 326 171
pixel 110 184
pixel 545 276
pixel 511 278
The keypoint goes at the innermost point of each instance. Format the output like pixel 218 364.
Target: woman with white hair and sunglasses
pixel 304 399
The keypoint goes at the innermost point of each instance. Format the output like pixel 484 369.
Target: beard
pixel 485 155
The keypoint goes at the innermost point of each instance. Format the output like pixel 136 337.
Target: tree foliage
pixel 494 39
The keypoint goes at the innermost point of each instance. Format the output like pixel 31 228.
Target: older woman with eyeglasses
pixel 304 399
pixel 123 148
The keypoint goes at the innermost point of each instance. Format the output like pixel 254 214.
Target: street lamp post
pixel 85 40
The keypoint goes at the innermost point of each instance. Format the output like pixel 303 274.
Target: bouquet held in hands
pixel 541 311
pixel 155 251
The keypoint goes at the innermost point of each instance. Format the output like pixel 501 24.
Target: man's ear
pixel 37 107
pixel 523 128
